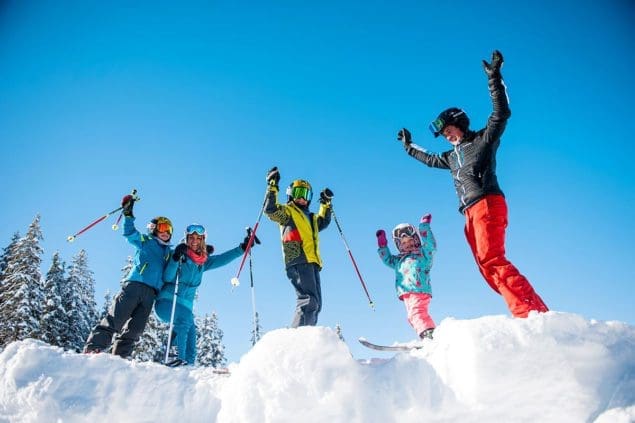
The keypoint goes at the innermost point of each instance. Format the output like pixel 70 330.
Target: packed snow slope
pixel 554 367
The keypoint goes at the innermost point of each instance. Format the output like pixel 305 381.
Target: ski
pixel 397 347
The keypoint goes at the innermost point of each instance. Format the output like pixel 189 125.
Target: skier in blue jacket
pixel 129 312
pixel 189 261
pixel 412 270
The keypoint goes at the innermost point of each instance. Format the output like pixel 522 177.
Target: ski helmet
pixel 299 189
pixel 452 116
pixel 160 224
pixel 405 230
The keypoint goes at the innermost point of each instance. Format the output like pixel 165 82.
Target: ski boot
pixel 426 334
pixel 177 362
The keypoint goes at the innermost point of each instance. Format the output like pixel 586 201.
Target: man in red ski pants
pixel 472 162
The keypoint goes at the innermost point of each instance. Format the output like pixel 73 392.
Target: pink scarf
pixel 196 258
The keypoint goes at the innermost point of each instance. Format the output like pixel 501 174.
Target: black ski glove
pixel 326 196
pixel 127 202
pixel 179 252
pixel 493 69
pixel 273 177
pixel 404 136
pixel 245 242
pixel 209 249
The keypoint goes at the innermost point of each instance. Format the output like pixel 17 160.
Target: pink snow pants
pixel 417 309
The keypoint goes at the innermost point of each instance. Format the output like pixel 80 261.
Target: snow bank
pixel 554 367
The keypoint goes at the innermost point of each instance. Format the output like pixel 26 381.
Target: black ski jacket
pixel 473 161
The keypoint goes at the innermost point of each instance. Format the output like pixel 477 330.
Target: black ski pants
pixel 127 317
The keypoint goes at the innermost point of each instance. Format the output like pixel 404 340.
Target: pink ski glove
pixel 381 238
pixel 427 218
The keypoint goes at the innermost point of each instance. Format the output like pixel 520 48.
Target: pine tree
pixel 81 310
pixel 6 252
pixel 53 322
pixel 152 343
pixel 105 307
pixel 211 351
pixel 125 271
pixel 255 332
pixel 21 294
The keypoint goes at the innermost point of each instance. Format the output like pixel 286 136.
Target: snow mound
pixel 553 367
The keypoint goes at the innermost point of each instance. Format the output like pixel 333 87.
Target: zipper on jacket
pixel 143 268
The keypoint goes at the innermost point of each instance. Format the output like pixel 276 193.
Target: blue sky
pixel 191 105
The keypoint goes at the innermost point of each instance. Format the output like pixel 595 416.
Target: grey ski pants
pixel 305 278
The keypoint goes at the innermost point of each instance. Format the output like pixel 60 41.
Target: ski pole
pixel 359 275
pixel 253 292
pixel 176 293
pixel 71 238
pixel 235 281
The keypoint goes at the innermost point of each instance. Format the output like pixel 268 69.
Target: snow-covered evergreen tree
pixel 81 310
pixel 105 306
pixel 6 252
pixel 209 344
pixel 125 271
pixel 21 294
pixel 152 343
pixel 256 331
pixel 53 322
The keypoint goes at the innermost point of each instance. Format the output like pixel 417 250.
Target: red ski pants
pixel 485 224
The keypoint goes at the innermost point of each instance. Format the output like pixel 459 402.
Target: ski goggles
pixel 301 192
pixel 195 229
pixel 163 227
pixel 436 126
pixel 402 231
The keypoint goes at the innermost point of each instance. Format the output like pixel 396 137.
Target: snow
pixel 553 367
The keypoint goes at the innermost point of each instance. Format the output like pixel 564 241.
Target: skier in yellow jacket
pixel 299 230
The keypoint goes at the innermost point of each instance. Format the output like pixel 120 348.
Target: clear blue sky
pixel 191 105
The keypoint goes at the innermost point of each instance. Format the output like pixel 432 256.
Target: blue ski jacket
pixel 412 270
pixel 191 275
pixel 150 258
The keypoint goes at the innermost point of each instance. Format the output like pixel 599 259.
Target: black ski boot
pixel 426 334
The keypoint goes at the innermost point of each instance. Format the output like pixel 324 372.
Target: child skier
pixel 190 260
pixel 299 230
pixel 412 270
pixel 132 305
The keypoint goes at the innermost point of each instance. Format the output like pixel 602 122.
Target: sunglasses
pixel 301 192
pixel 195 229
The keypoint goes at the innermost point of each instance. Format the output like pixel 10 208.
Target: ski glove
pixel 381 238
pixel 404 136
pixel 179 252
pixel 493 69
pixel 426 218
pixel 209 249
pixel 273 177
pixel 126 203
pixel 245 243
pixel 326 196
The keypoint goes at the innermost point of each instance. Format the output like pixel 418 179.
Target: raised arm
pixel 500 102
pixel 428 242
pixel 274 211
pixel 438 160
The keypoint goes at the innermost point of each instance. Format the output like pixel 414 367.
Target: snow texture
pixel 553 367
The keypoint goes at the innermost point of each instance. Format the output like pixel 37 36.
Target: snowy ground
pixel 555 367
